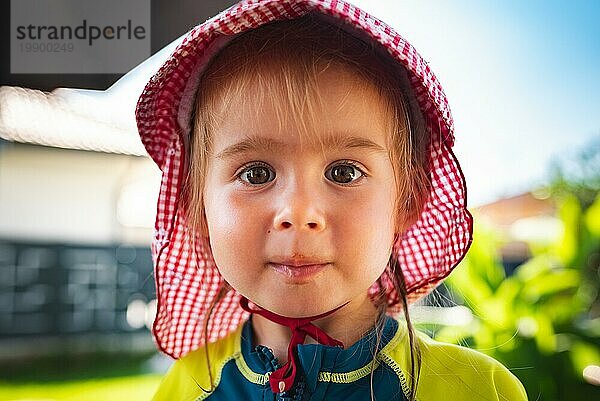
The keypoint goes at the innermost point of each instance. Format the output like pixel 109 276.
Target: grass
pixel 91 378
pixel 131 388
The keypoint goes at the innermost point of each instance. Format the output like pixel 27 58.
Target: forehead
pixel 338 104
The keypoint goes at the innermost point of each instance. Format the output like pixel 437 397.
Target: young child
pixel 309 194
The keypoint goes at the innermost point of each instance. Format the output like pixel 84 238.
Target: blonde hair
pixel 286 58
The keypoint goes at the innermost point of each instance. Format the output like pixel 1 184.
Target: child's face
pixel 294 202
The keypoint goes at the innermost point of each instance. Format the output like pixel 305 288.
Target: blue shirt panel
pixel 313 359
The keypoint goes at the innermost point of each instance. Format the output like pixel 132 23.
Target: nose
pixel 299 209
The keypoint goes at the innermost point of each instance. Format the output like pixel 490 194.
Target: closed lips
pixel 298 273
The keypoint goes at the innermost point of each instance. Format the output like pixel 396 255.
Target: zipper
pixel 297 392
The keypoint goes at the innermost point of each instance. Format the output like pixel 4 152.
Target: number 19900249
pixel 34 47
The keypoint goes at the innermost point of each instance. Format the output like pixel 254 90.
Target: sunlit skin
pixel 291 204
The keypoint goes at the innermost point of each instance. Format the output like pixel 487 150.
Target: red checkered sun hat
pixel 187 280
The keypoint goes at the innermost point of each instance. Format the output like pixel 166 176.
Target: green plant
pixel 543 321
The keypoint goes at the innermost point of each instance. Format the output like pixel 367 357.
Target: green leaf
pixel 570 213
pixel 545 338
pixel 592 218
pixel 550 284
pixel 535 267
pixel 584 354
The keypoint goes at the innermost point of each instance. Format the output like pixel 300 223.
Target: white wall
pixel 60 195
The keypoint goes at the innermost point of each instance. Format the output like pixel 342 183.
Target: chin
pixel 298 306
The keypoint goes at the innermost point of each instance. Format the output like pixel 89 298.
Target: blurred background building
pixel 74 259
pixel 521 219
pixel 77 202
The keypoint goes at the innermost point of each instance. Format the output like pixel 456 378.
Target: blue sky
pixel 522 78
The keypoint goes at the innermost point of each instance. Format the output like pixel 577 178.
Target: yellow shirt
pixel 448 372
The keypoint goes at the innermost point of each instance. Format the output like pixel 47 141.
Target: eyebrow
pixel 258 143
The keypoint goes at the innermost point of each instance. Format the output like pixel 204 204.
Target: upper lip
pixel 298 261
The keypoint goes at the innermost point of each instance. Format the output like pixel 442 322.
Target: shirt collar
pixel 315 359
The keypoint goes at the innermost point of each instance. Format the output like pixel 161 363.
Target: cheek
pixel 379 209
pixel 233 227
pixel 367 234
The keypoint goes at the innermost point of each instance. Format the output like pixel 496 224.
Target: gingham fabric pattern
pixel 187 280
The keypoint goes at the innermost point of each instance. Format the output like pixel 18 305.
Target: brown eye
pixel 344 173
pixel 257 174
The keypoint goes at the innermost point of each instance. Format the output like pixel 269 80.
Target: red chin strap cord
pixel 283 378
